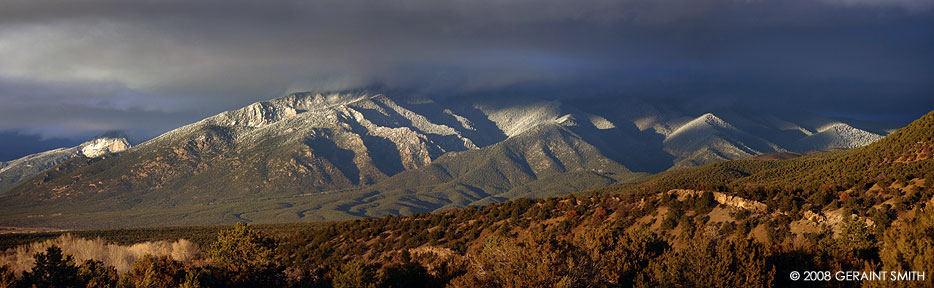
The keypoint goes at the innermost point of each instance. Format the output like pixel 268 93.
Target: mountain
pixel 902 156
pixel 838 135
pixel 360 153
pixel 15 171
pixel 708 139
pixel 548 159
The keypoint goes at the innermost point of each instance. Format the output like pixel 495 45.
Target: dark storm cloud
pixel 73 68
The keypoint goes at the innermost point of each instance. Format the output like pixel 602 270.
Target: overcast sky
pixel 71 69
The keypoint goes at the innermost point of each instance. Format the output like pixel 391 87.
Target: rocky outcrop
pixel 834 219
pixel 723 198
pixel 103 145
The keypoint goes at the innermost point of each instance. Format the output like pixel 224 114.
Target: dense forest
pixel 746 223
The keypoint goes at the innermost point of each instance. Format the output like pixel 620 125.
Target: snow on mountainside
pixel 12 172
pixel 340 139
pixel 517 116
pixel 40 159
pixel 704 125
pixel 708 138
pixel 102 146
pixel 335 155
pixel 837 135
pixel 724 135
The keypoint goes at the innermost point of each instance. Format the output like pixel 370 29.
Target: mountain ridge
pixel 17 170
pixel 363 153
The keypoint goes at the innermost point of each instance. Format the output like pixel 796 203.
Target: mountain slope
pixel 339 155
pixel 15 171
pixel 544 161
pixel 297 144
pixel 714 136
pixel 907 151
pixel 708 139
pixel 837 135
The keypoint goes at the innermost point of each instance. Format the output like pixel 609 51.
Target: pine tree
pixel 53 269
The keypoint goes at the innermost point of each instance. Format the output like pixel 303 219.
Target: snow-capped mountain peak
pixel 837 135
pixel 103 145
pixel 704 124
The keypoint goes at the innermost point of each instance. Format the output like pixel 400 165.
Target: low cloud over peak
pixel 70 68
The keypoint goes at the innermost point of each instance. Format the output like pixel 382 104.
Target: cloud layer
pixel 75 68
